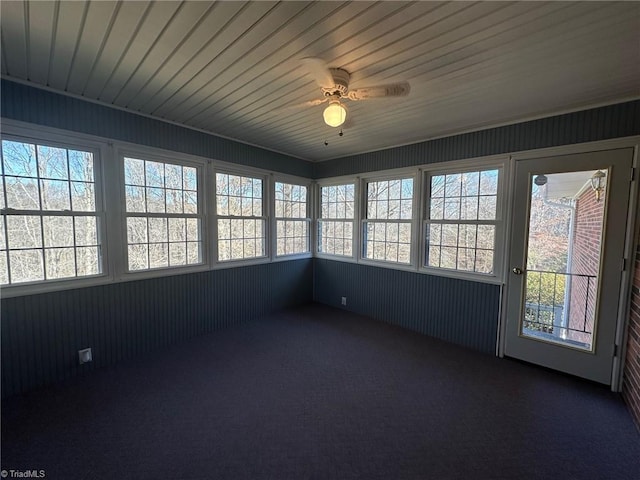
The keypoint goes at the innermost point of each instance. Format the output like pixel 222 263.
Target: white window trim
pixel 395 174
pixel 293 180
pixel 499 222
pixel 317 212
pixel 153 155
pixel 22 132
pixel 267 187
pixel 419 173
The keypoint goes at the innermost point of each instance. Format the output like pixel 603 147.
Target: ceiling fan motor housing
pixel 341 83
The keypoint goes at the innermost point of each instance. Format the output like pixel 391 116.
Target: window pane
pixel 158 255
pixel 138 257
pixel 83 197
pixel 19 159
pixel 81 166
pixel 86 231
pixel 60 262
pixel 4 272
pixel 24 231
pixel 26 265
pixel 58 231
pixel 88 261
pixel 135 197
pixel 22 193
pixel 178 253
pixel 137 230
pixel 55 195
pixel 154 174
pixel 52 162
pixel 134 172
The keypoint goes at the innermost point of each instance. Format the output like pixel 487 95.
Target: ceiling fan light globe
pixel 335 114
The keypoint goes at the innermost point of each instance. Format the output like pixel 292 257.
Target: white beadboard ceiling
pixel 232 68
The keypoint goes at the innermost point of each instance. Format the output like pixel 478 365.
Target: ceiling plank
pixel 117 42
pixel 149 35
pixel 210 37
pixel 94 31
pixel 14 33
pixel 41 33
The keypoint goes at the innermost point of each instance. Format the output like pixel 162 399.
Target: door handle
pixel 516 270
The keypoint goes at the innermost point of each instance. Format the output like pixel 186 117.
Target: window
pixel 462 216
pixel 292 222
pixel 335 225
pixel 163 219
pixel 241 222
pixel 387 224
pixel 50 218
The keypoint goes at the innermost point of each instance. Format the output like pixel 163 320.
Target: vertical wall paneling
pixel 28 104
pixel 41 334
pixel 458 311
pixel 602 123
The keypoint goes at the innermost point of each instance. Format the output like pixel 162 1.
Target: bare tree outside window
pixel 461 225
pixel 241 222
pixel 387 228
pixel 292 222
pixel 162 215
pixel 335 224
pixel 49 225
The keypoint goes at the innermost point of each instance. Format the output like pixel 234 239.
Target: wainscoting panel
pixel 458 311
pixel 41 334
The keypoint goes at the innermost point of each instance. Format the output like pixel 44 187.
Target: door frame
pixel 632 237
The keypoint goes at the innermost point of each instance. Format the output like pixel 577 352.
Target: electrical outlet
pixel 344 301
pixel 84 355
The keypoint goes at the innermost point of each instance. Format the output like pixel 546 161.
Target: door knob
pixel 516 270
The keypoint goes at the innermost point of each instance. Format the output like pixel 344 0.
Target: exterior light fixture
pixel 335 114
pixel 540 180
pixel 598 182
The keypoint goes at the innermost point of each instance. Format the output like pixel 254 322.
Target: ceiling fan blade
pixel 319 70
pixel 310 103
pixel 390 90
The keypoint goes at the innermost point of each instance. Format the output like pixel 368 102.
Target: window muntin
pixel 163 219
pixel 292 221
pixel 49 228
pixel 387 225
pixel 335 225
pixel 462 211
pixel 241 219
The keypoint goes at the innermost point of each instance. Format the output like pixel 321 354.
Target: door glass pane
pixel 563 257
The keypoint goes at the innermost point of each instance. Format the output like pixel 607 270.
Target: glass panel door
pixel 568 234
pixel 566 220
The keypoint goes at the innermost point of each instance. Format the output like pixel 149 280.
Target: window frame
pixel 500 164
pixel 162 156
pixel 267 187
pixel 17 131
pixel 299 181
pixel 413 173
pixel 355 234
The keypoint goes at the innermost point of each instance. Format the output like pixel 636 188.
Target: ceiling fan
pixel 334 83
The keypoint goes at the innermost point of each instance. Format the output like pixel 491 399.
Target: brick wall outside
pixel 585 261
pixel 631 384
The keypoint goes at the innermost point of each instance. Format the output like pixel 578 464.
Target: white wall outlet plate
pixel 344 301
pixel 84 355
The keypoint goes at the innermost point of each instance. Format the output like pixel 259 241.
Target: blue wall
pixel 42 107
pixel 613 121
pixel 458 311
pixel 41 334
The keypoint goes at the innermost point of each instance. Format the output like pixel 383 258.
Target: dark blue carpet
pixel 319 393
